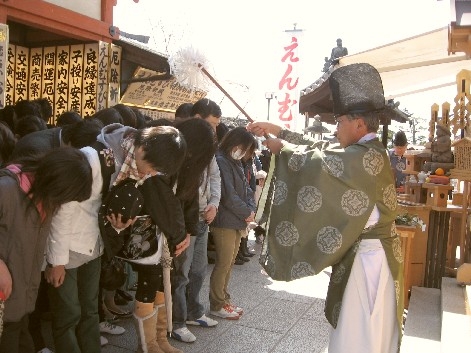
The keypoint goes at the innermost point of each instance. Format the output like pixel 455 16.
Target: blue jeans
pixel 188 278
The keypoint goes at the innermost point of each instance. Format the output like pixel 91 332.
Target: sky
pixel 242 40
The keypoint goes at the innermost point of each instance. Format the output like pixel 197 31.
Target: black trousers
pixel 149 281
pixel 16 337
pixel 42 306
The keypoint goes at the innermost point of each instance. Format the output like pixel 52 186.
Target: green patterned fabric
pixel 318 202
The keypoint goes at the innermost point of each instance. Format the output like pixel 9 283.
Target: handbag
pixel 142 241
pixel 113 274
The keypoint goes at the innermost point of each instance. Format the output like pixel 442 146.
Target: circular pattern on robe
pixel 309 199
pixel 301 269
pixel 389 197
pixel 338 274
pixel 397 287
pixel 297 161
pixel 373 162
pixel 286 233
pixel 333 165
pixel 329 240
pixel 354 202
pixel 400 166
pixel 397 250
pixel 393 229
pixel 336 313
pixel 281 192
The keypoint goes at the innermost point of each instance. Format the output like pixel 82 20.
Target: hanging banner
pixel 114 75
pixel 49 74
pixel 288 89
pixel 35 73
pixel 62 81
pixel 90 79
pixel 3 62
pixel 84 77
pixel 10 78
pixel 21 73
pixel 103 68
pixel 75 78
pixel 164 95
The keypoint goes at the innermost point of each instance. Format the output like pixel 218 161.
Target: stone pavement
pixel 279 317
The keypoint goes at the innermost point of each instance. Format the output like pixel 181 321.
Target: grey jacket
pixel 210 189
pixel 111 136
pixel 237 199
pixel 22 243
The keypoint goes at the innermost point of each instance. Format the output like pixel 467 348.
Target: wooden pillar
pixel 436 248
pixel 384 136
pixel 464 239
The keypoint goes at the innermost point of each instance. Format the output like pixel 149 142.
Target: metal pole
pixel 268 114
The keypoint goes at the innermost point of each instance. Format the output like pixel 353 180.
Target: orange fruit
pixel 439 171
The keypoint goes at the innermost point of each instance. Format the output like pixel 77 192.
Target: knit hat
pixel 125 199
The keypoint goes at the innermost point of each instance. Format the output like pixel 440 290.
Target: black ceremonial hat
pixel 356 88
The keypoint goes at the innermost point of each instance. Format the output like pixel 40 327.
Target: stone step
pixel 423 323
pixel 456 318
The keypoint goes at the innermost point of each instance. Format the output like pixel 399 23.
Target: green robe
pixel 317 203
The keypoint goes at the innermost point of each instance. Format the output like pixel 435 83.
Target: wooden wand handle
pixel 225 92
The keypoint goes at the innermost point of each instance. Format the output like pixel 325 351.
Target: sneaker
pixel 103 341
pixel 226 312
pixel 107 327
pixel 45 350
pixel 203 321
pixel 184 335
pixel 238 310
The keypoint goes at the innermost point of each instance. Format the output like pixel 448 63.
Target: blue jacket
pixel 237 199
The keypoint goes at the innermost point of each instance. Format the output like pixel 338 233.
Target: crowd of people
pixel 120 192
pixel 172 170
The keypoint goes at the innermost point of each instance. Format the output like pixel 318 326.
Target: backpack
pixel 113 274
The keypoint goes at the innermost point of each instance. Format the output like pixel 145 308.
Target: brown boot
pixel 161 328
pixel 145 328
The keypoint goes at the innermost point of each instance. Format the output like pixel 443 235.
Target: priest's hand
pixel 262 128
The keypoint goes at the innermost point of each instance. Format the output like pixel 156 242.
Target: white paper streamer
pixel 186 65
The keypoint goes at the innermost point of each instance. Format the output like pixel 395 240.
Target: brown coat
pixel 22 244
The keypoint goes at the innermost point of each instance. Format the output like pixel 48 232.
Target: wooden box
pixel 415 161
pixel 437 194
pixel 457 199
pixel 416 192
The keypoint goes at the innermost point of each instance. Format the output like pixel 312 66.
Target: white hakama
pixel 367 321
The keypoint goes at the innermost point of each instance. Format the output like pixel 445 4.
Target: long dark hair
pixel 201 145
pixel 7 143
pixel 236 137
pixel 60 176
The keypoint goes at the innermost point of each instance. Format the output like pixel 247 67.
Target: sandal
pixel 120 314
pixel 125 295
